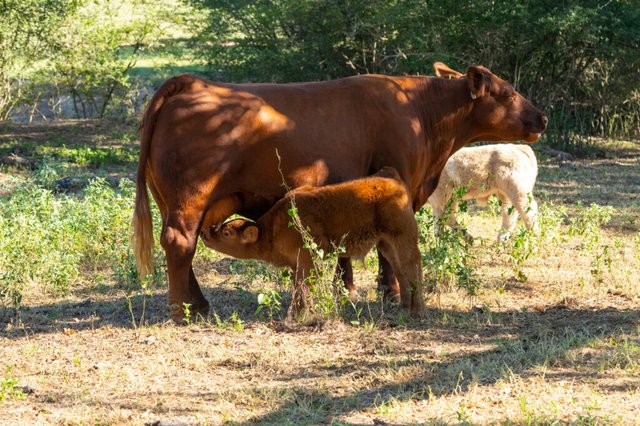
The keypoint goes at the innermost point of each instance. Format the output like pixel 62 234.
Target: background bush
pixel 577 60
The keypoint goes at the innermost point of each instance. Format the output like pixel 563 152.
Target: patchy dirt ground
pixel 564 346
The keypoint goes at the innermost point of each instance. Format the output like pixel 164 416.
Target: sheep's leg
pixel 509 217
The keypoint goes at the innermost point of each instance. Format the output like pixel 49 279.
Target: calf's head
pixel 498 113
pixel 235 238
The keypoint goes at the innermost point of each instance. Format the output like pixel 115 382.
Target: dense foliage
pixel 72 57
pixel 578 60
pixel 26 26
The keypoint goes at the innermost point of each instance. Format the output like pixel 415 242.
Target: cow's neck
pixel 445 111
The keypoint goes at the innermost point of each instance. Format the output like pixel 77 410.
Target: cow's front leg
pixel 387 282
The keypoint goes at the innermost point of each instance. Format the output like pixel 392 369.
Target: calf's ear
pixel 249 235
pixel 444 71
pixel 479 81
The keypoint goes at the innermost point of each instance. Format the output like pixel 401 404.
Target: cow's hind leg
pixel 178 239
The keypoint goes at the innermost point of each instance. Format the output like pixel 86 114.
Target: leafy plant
pixel 233 322
pixel 271 300
pixel 328 299
pixel 522 246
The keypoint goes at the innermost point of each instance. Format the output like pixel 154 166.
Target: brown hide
pixel 219 148
pixel 356 215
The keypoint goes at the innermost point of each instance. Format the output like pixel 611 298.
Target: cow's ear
pixel 444 71
pixel 479 81
pixel 249 235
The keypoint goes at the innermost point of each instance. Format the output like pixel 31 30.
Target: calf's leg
pixel 345 271
pixel 528 209
pixel 300 290
pixel 387 282
pixel 404 255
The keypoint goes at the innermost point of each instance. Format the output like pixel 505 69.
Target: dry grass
pixel 562 347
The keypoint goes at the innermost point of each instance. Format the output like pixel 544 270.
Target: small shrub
pixel 446 258
pixel 522 246
pixel 269 301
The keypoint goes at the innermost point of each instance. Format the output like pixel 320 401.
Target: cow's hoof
pixel 175 313
pixel 194 312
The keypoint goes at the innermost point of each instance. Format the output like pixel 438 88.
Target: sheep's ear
pixel 249 235
pixel 444 71
pixel 479 80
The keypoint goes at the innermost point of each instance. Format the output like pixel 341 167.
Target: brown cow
pixel 355 214
pixel 212 147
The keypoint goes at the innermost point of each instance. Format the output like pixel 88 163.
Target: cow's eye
pixel 226 233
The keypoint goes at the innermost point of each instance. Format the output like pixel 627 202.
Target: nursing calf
pixel 506 170
pixel 356 215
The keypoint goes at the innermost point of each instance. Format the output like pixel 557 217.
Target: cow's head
pixel 235 238
pixel 499 113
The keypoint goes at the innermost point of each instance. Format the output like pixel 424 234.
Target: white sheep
pixel 506 170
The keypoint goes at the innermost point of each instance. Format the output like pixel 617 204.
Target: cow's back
pixel 250 138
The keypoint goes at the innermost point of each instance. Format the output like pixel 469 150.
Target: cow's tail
pixel 142 224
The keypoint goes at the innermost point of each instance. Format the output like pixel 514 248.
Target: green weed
pixel 269 300
pixel 523 245
pixel 587 223
pixel 327 298
pixel 234 322
pixel 9 387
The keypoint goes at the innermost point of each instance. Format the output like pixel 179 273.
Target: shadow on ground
pixel 533 339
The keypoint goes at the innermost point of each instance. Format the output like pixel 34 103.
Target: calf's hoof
pixel 418 312
pixel 392 297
